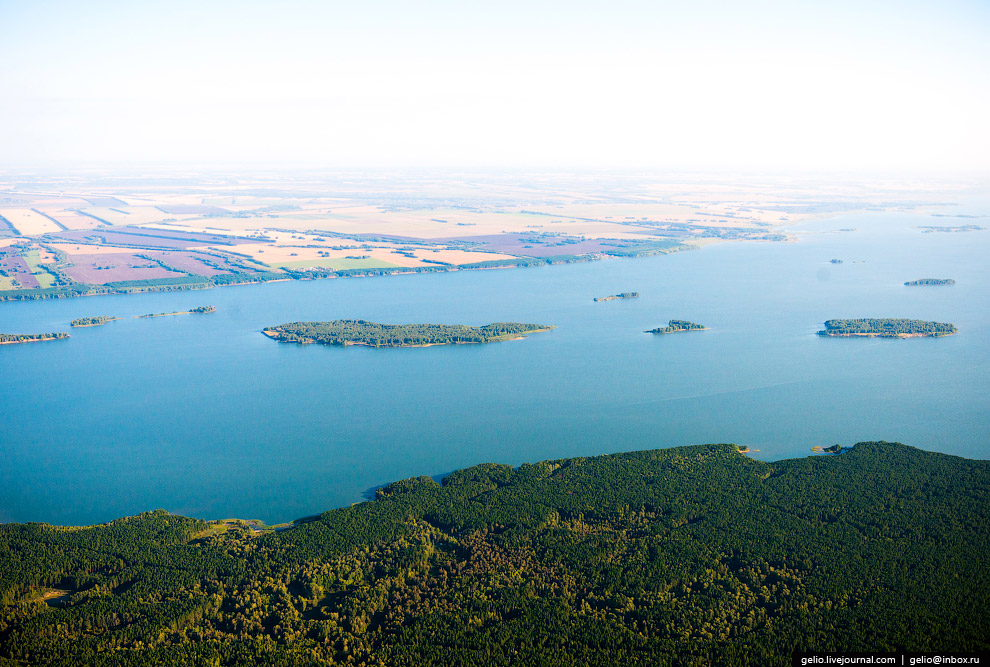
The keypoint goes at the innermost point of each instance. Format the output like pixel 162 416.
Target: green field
pixel 41 274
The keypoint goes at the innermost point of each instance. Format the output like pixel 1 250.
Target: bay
pixel 204 416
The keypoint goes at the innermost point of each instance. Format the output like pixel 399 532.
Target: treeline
pixel 361 332
pixel 674 326
pixel 30 338
pixel 886 328
pixel 687 556
pixel 175 284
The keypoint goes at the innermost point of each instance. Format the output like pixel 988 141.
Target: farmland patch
pixel 101 268
pixel 28 222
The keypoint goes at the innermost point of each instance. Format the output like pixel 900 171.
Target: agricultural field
pixel 28 222
pixel 70 219
pixel 174 229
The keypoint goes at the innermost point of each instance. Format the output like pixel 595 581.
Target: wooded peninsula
pixel 623 559
pixel 373 334
pixel 887 328
pixel 675 326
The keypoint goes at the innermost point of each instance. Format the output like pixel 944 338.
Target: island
pixel 931 281
pixel 92 321
pixel 676 326
pixel 887 328
pixel 928 229
pixel 680 556
pixel 620 295
pixel 201 309
pixel 7 339
pixel 373 334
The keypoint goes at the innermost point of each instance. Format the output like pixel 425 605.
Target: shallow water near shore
pixel 202 415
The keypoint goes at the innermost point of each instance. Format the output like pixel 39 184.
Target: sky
pixel 626 84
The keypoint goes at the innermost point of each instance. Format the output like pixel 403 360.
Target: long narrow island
pixel 931 281
pixel 373 334
pixel 620 295
pixel 887 328
pixel 676 326
pixel 8 339
pixel 200 310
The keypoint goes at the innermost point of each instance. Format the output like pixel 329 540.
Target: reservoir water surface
pixel 204 416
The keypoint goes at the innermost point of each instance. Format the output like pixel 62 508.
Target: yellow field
pixel 459 256
pixel 70 219
pixel 28 222
pixel 76 249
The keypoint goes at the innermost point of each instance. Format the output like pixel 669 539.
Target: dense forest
pixel 31 338
pixel 931 281
pixel 686 556
pixel 92 321
pixel 675 326
pixel 360 332
pixel 886 328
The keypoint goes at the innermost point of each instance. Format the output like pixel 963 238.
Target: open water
pixel 204 416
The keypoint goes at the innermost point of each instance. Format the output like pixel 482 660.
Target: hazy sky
pixel 825 84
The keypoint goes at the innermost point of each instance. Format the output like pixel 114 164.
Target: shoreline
pixel 524 262
pixel 882 335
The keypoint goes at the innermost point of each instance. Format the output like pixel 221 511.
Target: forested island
pixel 620 295
pixel 624 559
pixel 6 339
pixel 201 309
pixel 931 281
pixel 675 326
pixel 373 334
pixel 886 328
pixel 92 321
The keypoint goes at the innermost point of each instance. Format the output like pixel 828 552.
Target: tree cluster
pixel 886 327
pixel 373 334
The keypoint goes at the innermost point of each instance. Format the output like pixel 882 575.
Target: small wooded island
pixel 931 281
pixel 620 295
pixel 92 321
pixel 7 339
pixel 373 334
pixel 675 326
pixel 887 328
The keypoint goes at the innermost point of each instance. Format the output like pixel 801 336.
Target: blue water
pixel 204 416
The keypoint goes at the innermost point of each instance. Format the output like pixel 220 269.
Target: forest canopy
pixel 685 556
pixel 373 334
pixel 886 328
pixel 675 326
